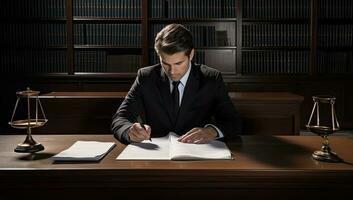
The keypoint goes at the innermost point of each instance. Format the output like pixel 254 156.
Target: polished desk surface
pixel 67 95
pixel 265 167
pixel 240 96
pixel 259 153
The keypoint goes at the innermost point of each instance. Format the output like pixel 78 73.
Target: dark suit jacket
pixel 205 100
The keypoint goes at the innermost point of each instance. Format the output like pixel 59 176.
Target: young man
pixel 176 96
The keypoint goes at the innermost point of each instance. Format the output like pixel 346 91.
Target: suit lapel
pixel 164 91
pixel 190 91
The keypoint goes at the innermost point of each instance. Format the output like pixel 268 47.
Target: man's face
pixel 176 65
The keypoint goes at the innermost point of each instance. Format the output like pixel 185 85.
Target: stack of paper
pixel 85 151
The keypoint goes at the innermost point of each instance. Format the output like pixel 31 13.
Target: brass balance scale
pixel 29 145
pixel 324 130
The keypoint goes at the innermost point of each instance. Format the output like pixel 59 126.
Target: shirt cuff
pixel 219 132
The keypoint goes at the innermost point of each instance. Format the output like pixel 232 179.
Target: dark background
pixel 298 46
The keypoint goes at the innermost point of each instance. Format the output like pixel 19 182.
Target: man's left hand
pixel 199 135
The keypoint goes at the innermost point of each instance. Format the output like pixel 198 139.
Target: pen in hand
pixel 143 126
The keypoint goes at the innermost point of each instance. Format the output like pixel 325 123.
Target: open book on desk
pixel 85 151
pixel 169 148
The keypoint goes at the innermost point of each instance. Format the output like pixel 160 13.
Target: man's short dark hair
pixel 172 39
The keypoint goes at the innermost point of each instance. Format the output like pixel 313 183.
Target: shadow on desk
pixel 275 151
pixel 347 163
pixel 280 151
pixel 36 156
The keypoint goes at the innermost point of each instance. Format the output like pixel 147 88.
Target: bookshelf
pixel 335 37
pixel 212 23
pixel 107 36
pixel 241 38
pixel 299 46
pixel 275 37
pixel 33 36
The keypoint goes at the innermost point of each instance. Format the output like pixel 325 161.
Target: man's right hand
pixel 138 133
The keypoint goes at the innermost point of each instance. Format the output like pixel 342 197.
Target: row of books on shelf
pixel 199 57
pixel 335 35
pixel 33 61
pixel 275 62
pixel 125 35
pixel 33 35
pixel 218 34
pixel 224 60
pixel 261 35
pixel 176 8
pixel 101 61
pixel 33 9
pixel 276 9
pixel 335 62
pixel 253 62
pixel 338 9
pixel 107 8
pixel 55 61
pixel 192 8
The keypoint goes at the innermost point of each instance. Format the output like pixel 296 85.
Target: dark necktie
pixel 175 97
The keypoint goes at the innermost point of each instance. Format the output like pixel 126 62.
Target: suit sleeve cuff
pixel 219 132
pixel 124 136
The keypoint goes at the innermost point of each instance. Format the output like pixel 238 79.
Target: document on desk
pixel 85 151
pixel 169 148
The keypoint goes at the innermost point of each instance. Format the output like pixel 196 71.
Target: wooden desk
pixel 265 167
pixel 263 113
pixel 84 95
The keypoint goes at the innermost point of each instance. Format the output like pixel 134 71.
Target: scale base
pixel 29 146
pixel 326 156
pixel 25 148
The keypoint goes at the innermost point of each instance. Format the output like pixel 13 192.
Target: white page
pixel 85 150
pixel 186 151
pixel 158 149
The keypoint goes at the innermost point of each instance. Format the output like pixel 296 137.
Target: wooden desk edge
pixel 236 96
